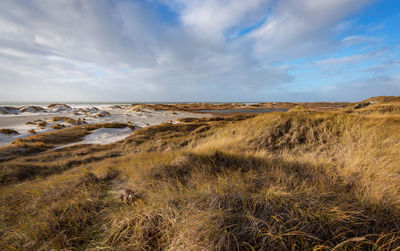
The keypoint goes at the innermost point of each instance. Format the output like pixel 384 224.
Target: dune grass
pixel 67 120
pixel 296 180
pixel 58 126
pixel 8 131
pixel 40 142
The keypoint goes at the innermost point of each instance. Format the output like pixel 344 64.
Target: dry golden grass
pixel 8 131
pixel 57 126
pixel 227 117
pixel 388 105
pixel 195 107
pixel 41 142
pixel 67 120
pixel 300 180
pixel 32 131
pixel 57 104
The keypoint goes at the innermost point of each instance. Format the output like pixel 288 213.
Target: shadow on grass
pixel 278 204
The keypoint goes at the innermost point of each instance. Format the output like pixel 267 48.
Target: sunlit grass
pixel 300 180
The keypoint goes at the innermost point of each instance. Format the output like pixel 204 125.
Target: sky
pixel 198 50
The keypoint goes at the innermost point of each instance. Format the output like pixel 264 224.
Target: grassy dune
pixel 193 107
pixel 40 142
pixel 306 179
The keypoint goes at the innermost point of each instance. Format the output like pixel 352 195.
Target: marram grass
pixel 300 180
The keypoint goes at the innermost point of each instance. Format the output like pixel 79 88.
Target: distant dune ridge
pixel 320 176
pixel 29 120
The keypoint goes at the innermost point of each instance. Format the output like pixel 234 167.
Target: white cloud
pixel 300 28
pixel 342 60
pixel 124 50
pixel 208 20
pixel 358 39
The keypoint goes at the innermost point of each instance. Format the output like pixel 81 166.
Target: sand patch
pixel 106 136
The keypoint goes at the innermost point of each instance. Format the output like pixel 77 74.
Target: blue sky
pixel 198 50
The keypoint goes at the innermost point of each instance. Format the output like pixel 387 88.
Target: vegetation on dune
pixel 57 126
pixel 187 107
pixel 42 124
pixel 377 105
pixel 44 141
pixel 60 119
pixel 68 120
pixel 8 131
pixel 32 131
pixel 57 105
pixel 30 108
pixel 296 180
pixel 196 107
pixel 227 117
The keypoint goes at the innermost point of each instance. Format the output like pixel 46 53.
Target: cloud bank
pixel 188 50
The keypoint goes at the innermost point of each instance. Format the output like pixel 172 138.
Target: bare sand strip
pixel 103 136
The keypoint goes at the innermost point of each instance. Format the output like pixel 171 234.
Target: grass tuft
pixel 8 131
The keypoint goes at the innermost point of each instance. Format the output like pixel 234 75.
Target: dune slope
pixel 296 180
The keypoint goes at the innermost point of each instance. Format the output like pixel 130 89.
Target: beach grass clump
pixel 65 135
pixel 42 124
pixel 69 120
pixel 19 147
pixel 58 105
pixel 65 216
pixel 227 117
pixel 7 131
pixel 32 108
pixel 109 125
pixel 65 119
pixel 58 126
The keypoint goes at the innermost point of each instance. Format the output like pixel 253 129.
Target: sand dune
pixel 42 119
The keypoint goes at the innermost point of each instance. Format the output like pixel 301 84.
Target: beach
pixel 28 120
